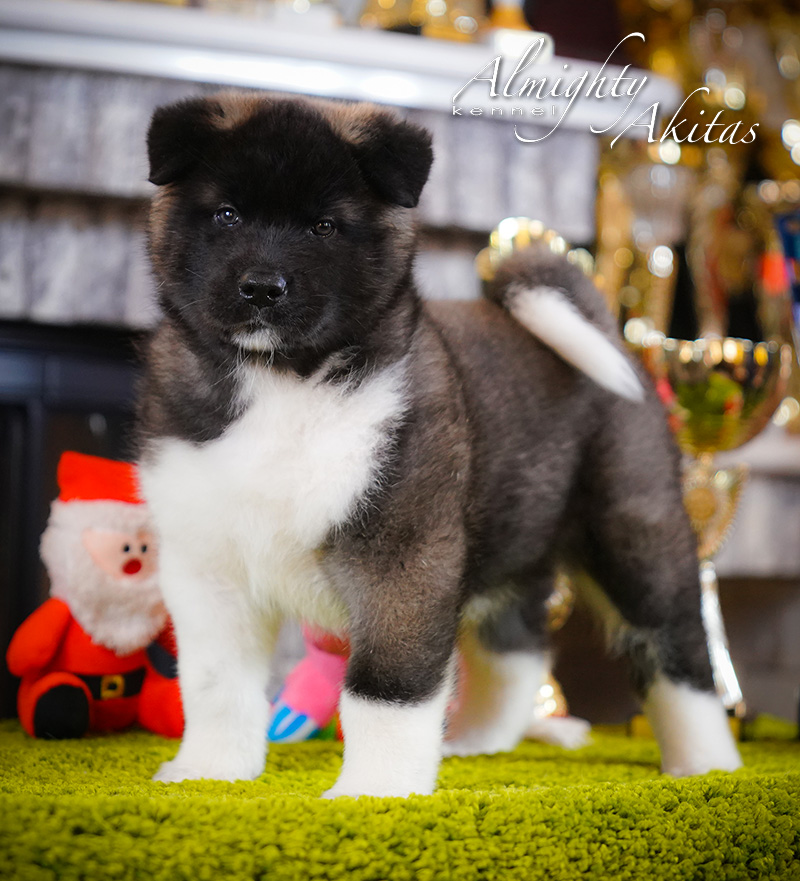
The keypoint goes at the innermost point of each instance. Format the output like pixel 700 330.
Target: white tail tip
pixel 550 317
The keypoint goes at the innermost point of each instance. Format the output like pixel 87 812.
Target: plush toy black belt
pixel 115 684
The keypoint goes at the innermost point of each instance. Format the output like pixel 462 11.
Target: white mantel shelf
pixel 196 45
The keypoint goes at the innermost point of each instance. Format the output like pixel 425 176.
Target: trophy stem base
pixel 725 679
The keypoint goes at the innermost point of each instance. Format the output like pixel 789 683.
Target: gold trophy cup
pixel 719 393
pixel 720 389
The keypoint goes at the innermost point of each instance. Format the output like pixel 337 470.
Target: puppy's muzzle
pixel 262 287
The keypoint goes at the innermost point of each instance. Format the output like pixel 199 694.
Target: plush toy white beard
pixel 121 613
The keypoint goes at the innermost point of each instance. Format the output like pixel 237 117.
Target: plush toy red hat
pixel 81 655
pixel 92 478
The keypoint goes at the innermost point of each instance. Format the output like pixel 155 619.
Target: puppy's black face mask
pixel 280 227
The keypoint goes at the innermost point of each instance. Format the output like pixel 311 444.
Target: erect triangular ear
pixel 177 136
pixel 395 158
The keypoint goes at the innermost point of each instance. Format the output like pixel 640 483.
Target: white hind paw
pixel 480 743
pixel 567 731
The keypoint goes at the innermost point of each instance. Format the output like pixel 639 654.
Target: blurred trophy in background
pixel 691 261
pixel 458 20
pixel 713 329
pixel 788 223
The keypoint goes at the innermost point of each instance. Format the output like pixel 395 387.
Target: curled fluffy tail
pixel 560 306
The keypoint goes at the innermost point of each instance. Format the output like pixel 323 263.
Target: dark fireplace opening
pixel 61 388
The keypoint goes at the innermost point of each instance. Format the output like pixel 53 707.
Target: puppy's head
pixel 282 224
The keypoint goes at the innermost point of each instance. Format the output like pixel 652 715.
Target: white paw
pixel 569 732
pixel 390 750
pixel 690 766
pixel 174 772
pixel 480 743
pixel 339 791
pixel 178 769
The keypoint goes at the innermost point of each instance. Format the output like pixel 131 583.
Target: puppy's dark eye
pixel 226 216
pixel 324 228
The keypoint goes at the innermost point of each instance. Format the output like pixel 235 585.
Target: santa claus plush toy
pixel 85 655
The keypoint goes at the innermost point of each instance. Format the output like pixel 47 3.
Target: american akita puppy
pixel 319 442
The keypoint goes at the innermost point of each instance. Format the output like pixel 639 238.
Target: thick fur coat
pixel 318 441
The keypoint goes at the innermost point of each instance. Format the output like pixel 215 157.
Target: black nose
pixel 262 287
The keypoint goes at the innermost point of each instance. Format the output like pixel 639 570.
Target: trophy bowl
pixel 719 393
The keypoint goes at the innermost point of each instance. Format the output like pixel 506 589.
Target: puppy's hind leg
pixel 641 554
pixel 672 676
pixel 503 664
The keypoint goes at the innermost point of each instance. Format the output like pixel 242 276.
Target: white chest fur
pixel 251 508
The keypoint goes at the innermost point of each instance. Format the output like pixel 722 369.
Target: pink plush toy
pixel 309 698
pixel 308 701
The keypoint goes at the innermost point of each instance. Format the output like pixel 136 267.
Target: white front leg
pixel 390 749
pixel 224 647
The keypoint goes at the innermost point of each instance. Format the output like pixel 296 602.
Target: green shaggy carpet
pixel 87 810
